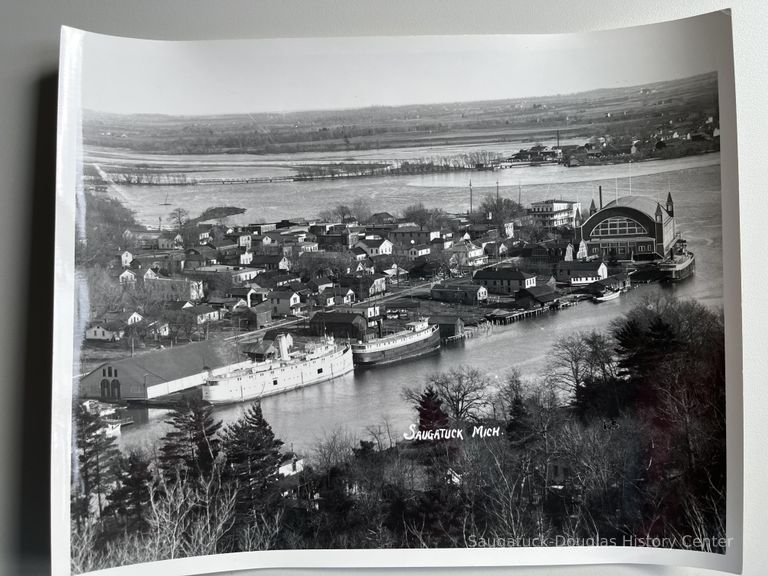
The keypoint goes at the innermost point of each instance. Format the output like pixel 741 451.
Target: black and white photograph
pixel 396 293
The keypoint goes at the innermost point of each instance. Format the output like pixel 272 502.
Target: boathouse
pixel 504 280
pixel 451 326
pixel 158 373
pixel 614 282
pixel 535 297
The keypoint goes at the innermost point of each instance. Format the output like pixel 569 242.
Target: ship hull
pixel 278 378
pixel 389 355
pixel 679 272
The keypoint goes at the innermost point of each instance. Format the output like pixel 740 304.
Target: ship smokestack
pixel 284 342
pixel 600 189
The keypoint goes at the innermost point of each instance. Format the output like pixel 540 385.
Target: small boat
pixel 607 295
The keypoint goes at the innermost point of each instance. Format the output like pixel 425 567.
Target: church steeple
pixel 670 204
pixel 659 214
pixel 577 217
pixel 592 208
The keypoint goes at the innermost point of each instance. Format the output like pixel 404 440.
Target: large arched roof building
pixel 630 228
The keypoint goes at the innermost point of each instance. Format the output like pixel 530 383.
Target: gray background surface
pixel 29 32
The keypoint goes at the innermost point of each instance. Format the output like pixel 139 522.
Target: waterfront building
pixel 504 280
pixel 615 282
pixel 451 326
pixel 554 213
pixel 535 297
pixel 459 292
pixel 157 373
pixel 580 273
pixel 631 228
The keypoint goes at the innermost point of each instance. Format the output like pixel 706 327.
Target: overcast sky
pixel 189 78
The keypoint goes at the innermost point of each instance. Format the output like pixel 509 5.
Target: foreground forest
pixel 622 436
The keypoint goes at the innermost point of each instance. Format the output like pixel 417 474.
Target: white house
pixel 151 274
pixel 246 258
pixel 468 254
pixel 126 258
pixel 284 302
pixel 343 295
pixel 127 278
pixel 581 273
pixel 416 251
pixel 103 331
pixel 375 245
pixel 203 313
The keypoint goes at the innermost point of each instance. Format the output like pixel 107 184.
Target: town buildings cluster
pixel 333 275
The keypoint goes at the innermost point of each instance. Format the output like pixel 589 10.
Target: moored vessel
pixel 280 370
pixel 678 267
pixel 418 338
pixel 607 295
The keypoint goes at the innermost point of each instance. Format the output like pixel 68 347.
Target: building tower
pixel 670 204
pixel 592 207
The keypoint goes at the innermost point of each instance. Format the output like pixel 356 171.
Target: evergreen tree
pixel 252 460
pixel 193 445
pixel 96 453
pixel 131 495
pixel 518 426
pixel 431 414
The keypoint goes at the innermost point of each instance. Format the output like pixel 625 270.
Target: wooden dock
pixel 501 317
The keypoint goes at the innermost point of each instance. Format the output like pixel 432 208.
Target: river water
pixel 371 397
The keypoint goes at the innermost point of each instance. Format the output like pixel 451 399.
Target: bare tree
pixel 179 218
pixel 578 357
pixel 261 532
pixel 464 392
pixel 334 449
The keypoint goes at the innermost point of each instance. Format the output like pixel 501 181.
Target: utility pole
pixel 470 197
